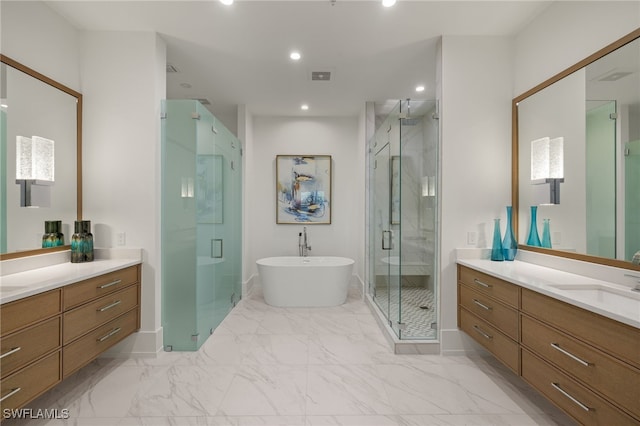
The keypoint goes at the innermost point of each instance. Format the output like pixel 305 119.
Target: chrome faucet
pixel 303 243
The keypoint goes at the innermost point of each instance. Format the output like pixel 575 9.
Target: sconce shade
pixel 35 158
pixel 547 159
pixel 428 186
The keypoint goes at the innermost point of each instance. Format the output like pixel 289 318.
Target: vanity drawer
pixel 501 316
pixel 27 345
pixel 85 349
pixel 24 312
pixel 613 337
pixel 577 401
pixel 490 286
pixel 84 318
pixel 84 291
pixel 606 375
pixel 26 384
pixel 488 336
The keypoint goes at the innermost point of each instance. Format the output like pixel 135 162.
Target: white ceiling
pixel 239 54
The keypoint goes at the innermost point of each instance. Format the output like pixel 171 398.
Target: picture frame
pixel 303 189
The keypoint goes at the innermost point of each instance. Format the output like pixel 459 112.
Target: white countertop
pixel 27 283
pixel 544 280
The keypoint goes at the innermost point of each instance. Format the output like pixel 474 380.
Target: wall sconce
pixel 547 166
pixel 428 186
pixel 187 188
pixel 34 170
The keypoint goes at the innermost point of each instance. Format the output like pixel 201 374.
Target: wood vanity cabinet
pixel 48 336
pixel 488 312
pixel 586 364
pixel 30 348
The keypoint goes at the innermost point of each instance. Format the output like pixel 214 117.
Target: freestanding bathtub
pixel 312 281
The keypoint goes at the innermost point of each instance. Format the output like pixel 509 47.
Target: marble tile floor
pixel 295 367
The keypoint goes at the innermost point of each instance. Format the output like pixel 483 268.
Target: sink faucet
pixel 303 243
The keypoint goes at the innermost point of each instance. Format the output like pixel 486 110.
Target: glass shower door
pixel 385 220
pixel 201 213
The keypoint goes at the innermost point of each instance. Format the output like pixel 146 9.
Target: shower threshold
pixel 402 346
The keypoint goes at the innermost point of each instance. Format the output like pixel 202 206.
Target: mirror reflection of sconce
pixel 547 166
pixel 34 170
pixel 428 186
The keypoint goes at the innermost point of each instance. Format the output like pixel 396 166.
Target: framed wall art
pixel 303 189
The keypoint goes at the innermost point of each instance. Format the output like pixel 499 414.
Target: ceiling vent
pixel 320 75
pixel 171 69
pixel 614 75
pixel 203 101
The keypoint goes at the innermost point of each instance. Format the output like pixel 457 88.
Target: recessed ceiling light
pixel 420 88
pixel 226 2
pixel 295 56
pixel 388 3
pixel 304 107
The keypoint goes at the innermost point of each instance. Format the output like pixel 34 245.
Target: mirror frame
pixel 514 155
pixel 43 78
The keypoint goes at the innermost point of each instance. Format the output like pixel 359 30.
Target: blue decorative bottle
pixel 534 239
pixel 509 243
pixel 546 234
pixel 496 249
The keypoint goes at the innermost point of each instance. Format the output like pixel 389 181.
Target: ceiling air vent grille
pixel 171 68
pixel 203 101
pixel 320 75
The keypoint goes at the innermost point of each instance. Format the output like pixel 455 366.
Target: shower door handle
pixel 216 242
pixel 386 237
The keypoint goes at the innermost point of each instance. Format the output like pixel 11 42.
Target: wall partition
pixel 403 171
pixel 201 223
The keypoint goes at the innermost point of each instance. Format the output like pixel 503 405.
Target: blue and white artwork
pixel 303 186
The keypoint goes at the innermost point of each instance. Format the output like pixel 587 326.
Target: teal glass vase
pixel 82 242
pixel 496 248
pixel 52 236
pixel 534 238
pixel 546 233
pixel 509 243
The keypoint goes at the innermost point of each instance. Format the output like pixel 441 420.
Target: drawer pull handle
pixel 12 351
pixel 570 355
pixel 105 308
pixel 109 334
pixel 575 401
pixel 482 305
pixel 10 394
pixel 477 281
pixel 484 334
pixel 110 284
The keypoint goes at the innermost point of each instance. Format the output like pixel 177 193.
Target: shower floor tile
pixel 297 367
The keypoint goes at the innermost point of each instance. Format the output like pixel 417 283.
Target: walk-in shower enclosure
pixel 201 223
pixel 403 220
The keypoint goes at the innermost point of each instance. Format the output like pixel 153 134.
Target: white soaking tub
pixel 313 281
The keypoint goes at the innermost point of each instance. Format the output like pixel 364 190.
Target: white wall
pixel 39 38
pixel 475 122
pixel 567 32
pixel 123 82
pixel 335 136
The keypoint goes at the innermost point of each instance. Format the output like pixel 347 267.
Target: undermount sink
pixel 619 298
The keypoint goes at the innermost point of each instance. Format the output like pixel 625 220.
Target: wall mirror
pixel 35 105
pixel 593 108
